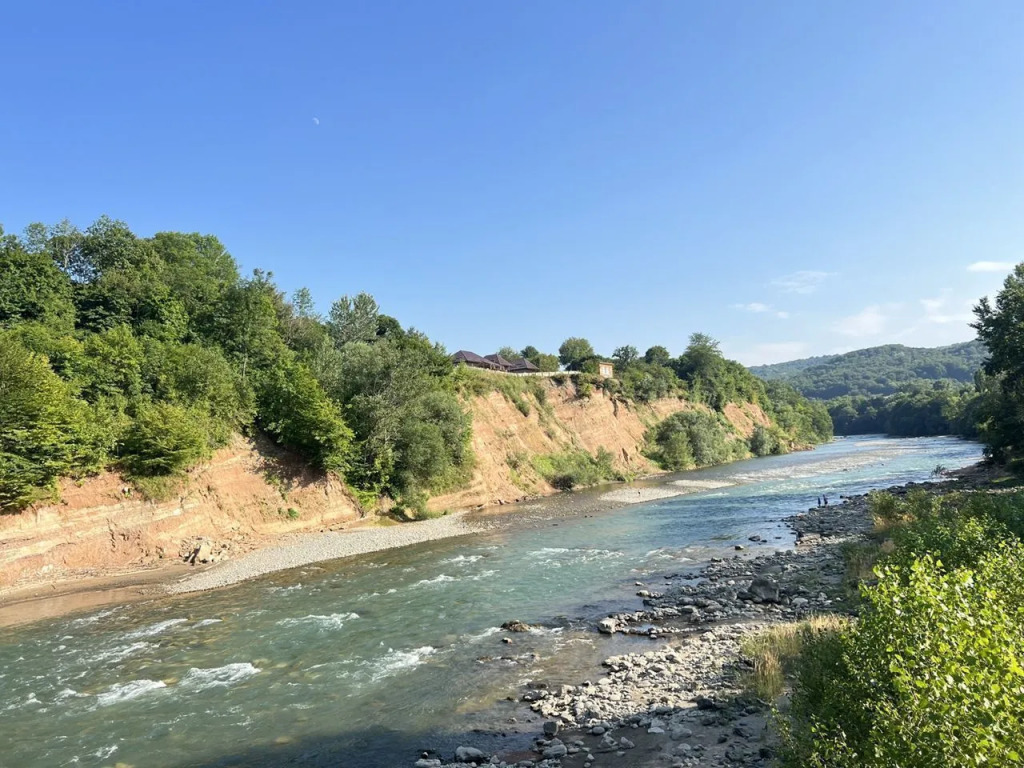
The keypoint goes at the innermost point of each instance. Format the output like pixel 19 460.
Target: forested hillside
pixel 789 368
pixel 878 370
pixel 144 355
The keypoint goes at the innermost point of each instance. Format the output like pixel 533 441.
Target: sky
pixel 792 178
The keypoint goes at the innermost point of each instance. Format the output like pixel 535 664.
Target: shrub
pixel 570 469
pixel 295 410
pixel 931 674
pixel 763 442
pixel 691 438
pixel 164 439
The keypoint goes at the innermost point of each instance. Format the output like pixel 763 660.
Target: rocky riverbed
pixel 684 702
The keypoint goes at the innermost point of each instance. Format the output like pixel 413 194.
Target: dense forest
pixel 146 354
pixel 896 390
pixel 878 370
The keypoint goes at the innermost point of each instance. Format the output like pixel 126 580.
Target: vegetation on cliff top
pixel 702 376
pixel 147 353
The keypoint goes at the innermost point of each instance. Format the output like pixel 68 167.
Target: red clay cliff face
pixel 504 439
pixel 236 500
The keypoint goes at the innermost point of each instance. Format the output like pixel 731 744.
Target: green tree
pixel 574 352
pixel 200 378
pixel 691 438
pixel 296 411
pixel 1001 328
pixel 545 362
pixel 247 326
pixel 354 319
pixel 43 427
pixel 625 356
pixel 657 355
pixel 165 439
pixel 32 288
pixel 646 382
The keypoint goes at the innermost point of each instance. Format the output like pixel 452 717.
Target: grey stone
pixel 765 589
pixel 469 755
pixel 555 749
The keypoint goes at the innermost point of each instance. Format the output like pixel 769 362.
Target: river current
pixel 367 660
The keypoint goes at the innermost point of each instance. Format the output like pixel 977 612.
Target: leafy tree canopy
pixel 574 352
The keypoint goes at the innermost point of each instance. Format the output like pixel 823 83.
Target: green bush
pixel 164 439
pixel 571 469
pixel 763 442
pixel 692 438
pixel 295 410
pixel 930 676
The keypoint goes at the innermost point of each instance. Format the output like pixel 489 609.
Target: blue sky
pixel 793 178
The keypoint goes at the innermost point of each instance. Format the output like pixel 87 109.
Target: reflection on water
pixel 383 649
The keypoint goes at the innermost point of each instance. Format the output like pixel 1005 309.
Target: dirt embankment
pixel 505 440
pixel 245 495
pixel 250 493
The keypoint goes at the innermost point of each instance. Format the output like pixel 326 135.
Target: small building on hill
pixel 522 365
pixel 499 361
pixel 494 362
pixel 605 369
pixel 474 360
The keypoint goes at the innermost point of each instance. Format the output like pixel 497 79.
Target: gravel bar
pixel 314 547
pixel 638 495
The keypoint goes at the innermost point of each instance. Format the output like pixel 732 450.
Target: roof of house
pixel 522 364
pixel 465 356
pixel 499 360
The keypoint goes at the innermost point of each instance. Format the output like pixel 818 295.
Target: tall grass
pixel 775 651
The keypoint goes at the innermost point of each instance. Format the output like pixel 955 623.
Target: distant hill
pixel 789 369
pixel 877 370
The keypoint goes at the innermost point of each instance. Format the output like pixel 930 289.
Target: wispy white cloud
pixel 944 310
pixel 758 308
pixel 805 281
pixel 870 321
pixel 990 266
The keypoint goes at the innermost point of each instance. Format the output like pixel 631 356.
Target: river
pixel 365 661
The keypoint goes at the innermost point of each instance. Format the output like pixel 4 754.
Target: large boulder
pixel 764 589
pixel 607 626
pixel 469 755
pixel 555 748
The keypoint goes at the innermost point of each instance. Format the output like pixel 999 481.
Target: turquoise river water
pixel 367 660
